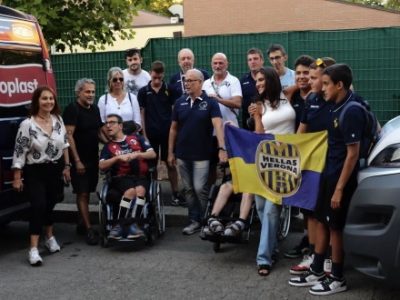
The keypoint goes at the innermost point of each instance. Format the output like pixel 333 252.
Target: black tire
pixel 284 222
pixel 158 207
pixel 102 224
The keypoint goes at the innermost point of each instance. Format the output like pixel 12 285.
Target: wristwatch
pixel 221 149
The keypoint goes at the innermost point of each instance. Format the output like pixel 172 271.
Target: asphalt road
pixel 176 267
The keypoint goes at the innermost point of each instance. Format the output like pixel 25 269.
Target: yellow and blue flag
pixel 285 169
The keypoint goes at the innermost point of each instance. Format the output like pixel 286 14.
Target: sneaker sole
pixel 36 264
pixel 325 293
pixel 115 238
pixel 298 272
pixel 137 236
pixel 190 233
pixel 300 284
pixel 52 252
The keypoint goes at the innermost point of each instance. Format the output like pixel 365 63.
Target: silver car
pixel 372 232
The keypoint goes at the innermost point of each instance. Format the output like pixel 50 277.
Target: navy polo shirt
pixel 195 129
pixel 341 135
pixel 175 85
pixel 316 113
pixel 298 104
pixel 158 109
pixel 249 92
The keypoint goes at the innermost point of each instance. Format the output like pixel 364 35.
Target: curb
pixel 174 216
pixel 68 213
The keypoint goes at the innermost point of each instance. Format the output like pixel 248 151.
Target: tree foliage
pixel 391 4
pixel 90 24
pixel 160 6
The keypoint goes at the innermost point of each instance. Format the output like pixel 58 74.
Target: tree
pixel 160 6
pixel 391 4
pixel 90 24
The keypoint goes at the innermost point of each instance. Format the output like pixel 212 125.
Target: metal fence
pixel 373 54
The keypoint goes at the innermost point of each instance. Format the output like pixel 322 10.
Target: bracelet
pixel 68 165
pixel 221 149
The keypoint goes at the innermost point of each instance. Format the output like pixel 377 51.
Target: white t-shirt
pixel 280 120
pixel 228 88
pixel 127 110
pixel 288 78
pixel 133 83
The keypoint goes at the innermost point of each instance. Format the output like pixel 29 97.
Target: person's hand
pixel 213 96
pixel 253 110
pixel 124 157
pixel 336 199
pixel 18 185
pixel 80 167
pixel 223 156
pixel 171 160
pixel 66 175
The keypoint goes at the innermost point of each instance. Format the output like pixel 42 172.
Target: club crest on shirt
pixel 336 123
pixel 203 105
pixel 278 167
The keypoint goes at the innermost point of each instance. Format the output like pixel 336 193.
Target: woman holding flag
pixel 272 114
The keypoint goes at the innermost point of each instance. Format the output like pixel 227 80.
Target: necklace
pixel 47 118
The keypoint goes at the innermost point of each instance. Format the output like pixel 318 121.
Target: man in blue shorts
pixel 126 159
pixel 338 184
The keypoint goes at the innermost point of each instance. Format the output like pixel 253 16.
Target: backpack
pixel 371 130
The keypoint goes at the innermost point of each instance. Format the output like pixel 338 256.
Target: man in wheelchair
pixel 125 157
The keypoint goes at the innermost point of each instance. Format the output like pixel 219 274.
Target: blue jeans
pixel 269 214
pixel 194 175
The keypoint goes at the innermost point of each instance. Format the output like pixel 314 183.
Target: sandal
pixel 215 225
pixel 234 229
pixel 264 270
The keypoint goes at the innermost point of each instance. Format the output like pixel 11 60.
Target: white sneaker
pixel 330 285
pixel 303 266
pixel 52 245
pixel 34 257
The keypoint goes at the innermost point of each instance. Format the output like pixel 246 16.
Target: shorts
pixel 334 218
pixel 307 212
pixel 159 143
pixel 85 183
pixel 119 185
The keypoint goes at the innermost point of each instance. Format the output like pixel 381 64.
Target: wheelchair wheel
pixel 158 204
pixel 284 222
pixel 103 226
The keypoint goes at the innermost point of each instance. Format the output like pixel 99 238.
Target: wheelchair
pixel 151 220
pixel 228 215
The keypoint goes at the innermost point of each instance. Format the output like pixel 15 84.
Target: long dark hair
pixel 35 101
pixel 273 87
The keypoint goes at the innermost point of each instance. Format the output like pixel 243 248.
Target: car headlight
pixel 388 157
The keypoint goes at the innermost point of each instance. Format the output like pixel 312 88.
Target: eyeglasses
pixel 120 79
pixel 190 80
pixel 111 123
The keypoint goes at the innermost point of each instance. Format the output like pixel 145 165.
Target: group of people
pixel 142 117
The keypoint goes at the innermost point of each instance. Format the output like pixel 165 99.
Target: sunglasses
pixel 120 79
pixel 320 63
